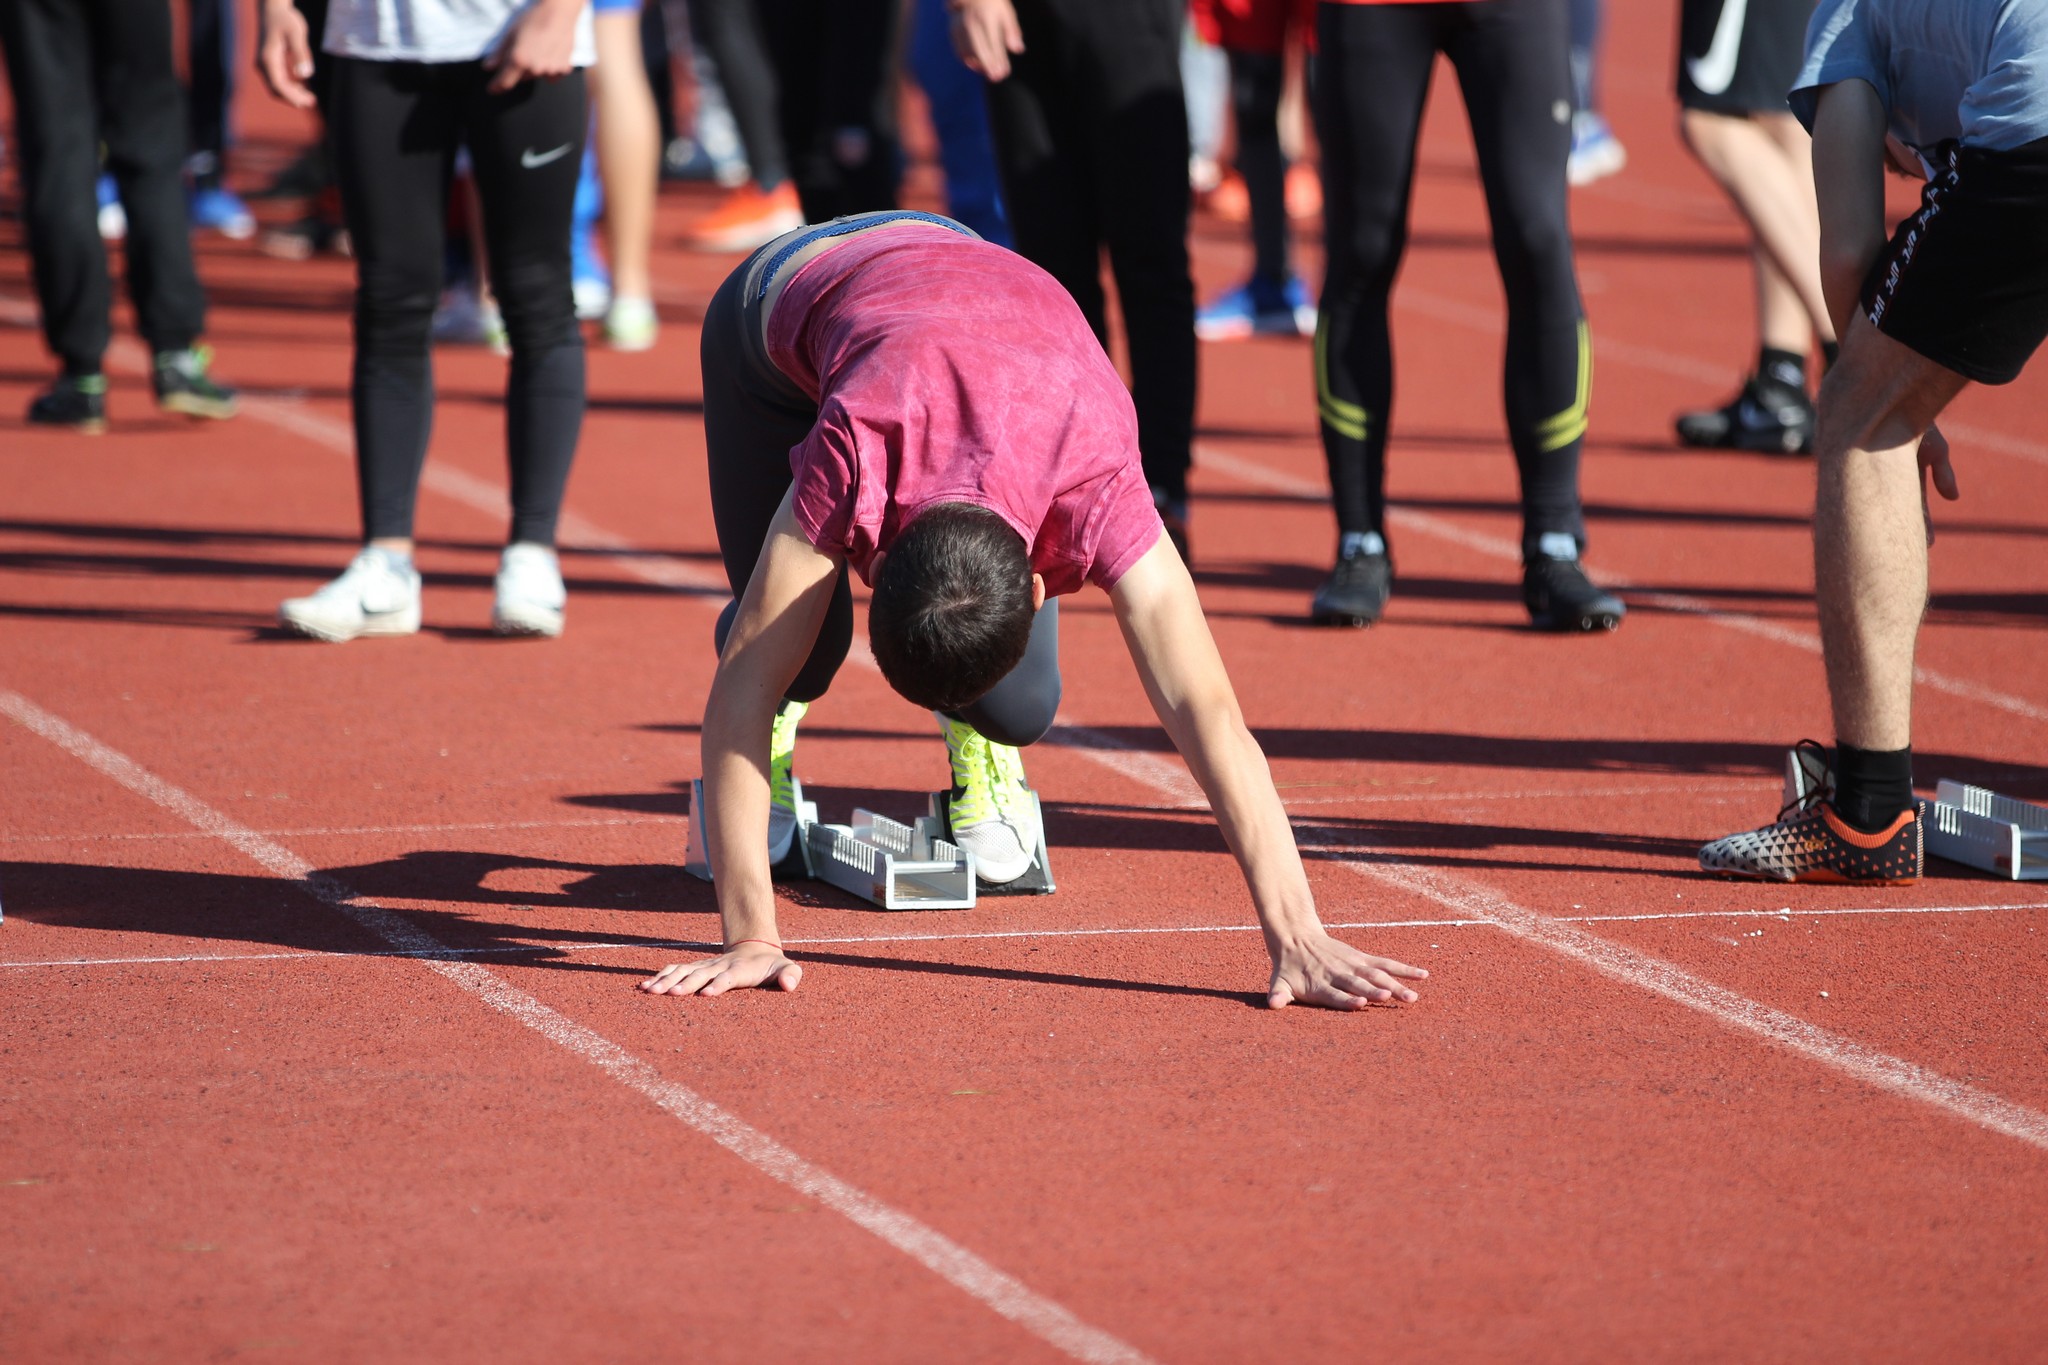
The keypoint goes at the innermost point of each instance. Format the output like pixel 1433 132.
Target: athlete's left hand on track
pixel 542 44
pixel 1329 972
pixel 986 34
pixel 745 964
pixel 1934 466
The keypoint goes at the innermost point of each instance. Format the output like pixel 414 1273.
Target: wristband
pixel 769 941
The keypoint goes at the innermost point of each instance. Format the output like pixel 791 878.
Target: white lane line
pixel 1654 974
pixel 1608 348
pixel 1172 782
pixel 572 947
pixel 980 1280
pixel 1628 965
pixel 1498 547
pixel 1475 798
pixel 484 826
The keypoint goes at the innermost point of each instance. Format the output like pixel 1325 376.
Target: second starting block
pixel 897 866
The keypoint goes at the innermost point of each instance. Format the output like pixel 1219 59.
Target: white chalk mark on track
pixel 994 1288
pixel 1497 547
pixel 571 947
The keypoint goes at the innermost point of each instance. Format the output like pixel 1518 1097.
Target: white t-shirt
pixel 434 30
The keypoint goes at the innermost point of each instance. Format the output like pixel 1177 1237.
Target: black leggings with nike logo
pixel 395 128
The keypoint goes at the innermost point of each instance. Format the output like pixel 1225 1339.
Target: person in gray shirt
pixel 1955 91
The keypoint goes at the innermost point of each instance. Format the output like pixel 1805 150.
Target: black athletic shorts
pixel 1965 280
pixel 1740 56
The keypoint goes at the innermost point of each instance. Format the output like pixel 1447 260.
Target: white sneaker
pixel 530 594
pixel 378 594
pixel 630 324
pixel 993 816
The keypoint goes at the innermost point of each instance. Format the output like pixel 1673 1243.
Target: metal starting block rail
pixel 2002 835
pixel 897 866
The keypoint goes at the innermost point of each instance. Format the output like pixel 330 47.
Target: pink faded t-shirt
pixel 950 370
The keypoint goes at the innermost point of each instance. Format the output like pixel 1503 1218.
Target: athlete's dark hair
pixel 952 609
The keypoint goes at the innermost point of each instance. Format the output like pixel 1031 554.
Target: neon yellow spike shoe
pixel 994 817
pixel 781 794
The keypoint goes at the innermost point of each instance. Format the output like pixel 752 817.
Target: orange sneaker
pixel 748 218
pixel 1230 200
pixel 1304 191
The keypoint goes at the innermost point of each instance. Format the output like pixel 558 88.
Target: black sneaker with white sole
pixel 1763 417
pixel 1560 597
pixel 78 401
pixel 1355 593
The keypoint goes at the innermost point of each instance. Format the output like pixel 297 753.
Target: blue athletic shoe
pixel 1258 308
pixel 113 219
pixel 1596 151
pixel 223 212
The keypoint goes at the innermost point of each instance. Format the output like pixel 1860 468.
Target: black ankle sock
pixel 1781 369
pixel 1872 786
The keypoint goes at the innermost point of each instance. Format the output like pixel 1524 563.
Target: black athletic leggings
pixel 1091 134
pixel 1374 66
pixel 754 415
pixel 395 128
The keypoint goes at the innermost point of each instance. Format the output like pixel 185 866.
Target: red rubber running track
pixel 317 1032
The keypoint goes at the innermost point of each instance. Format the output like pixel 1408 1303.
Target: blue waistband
pixel 840 227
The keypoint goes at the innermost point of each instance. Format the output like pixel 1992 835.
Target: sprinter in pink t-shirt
pixel 890 394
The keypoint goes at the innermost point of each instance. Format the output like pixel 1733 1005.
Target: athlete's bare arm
pixel 1183 674
pixel 1848 178
pixel 777 624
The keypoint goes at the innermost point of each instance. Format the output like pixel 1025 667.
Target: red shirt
pixel 950 370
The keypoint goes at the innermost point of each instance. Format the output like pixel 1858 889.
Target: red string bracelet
pixel 769 941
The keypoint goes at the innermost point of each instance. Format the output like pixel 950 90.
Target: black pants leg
pixel 1091 135
pixel 753 417
pixel 732 31
pixel 835 68
pixel 1256 79
pixel 395 128
pixel 84 71
pixel 527 211
pixel 210 60
pixel 1513 64
pixel 1512 67
pixel 1376 62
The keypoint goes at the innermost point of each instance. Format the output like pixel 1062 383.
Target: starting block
pixel 1973 826
pixel 1999 834
pixel 897 866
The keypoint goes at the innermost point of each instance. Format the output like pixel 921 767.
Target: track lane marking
pixel 996 1289
pixel 571 947
pixel 1498 547
pixel 1648 972
pixel 1172 782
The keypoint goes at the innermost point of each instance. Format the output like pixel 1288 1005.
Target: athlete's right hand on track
pixel 986 33
pixel 752 963
pixel 1329 972
pixel 284 53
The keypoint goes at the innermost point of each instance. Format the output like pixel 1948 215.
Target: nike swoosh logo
pixel 532 159
pixel 1714 72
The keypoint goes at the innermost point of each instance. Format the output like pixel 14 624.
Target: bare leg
pixel 1769 176
pixel 1781 320
pixel 1869 530
pixel 628 150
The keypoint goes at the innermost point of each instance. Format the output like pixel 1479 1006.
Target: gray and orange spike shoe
pixel 1810 843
